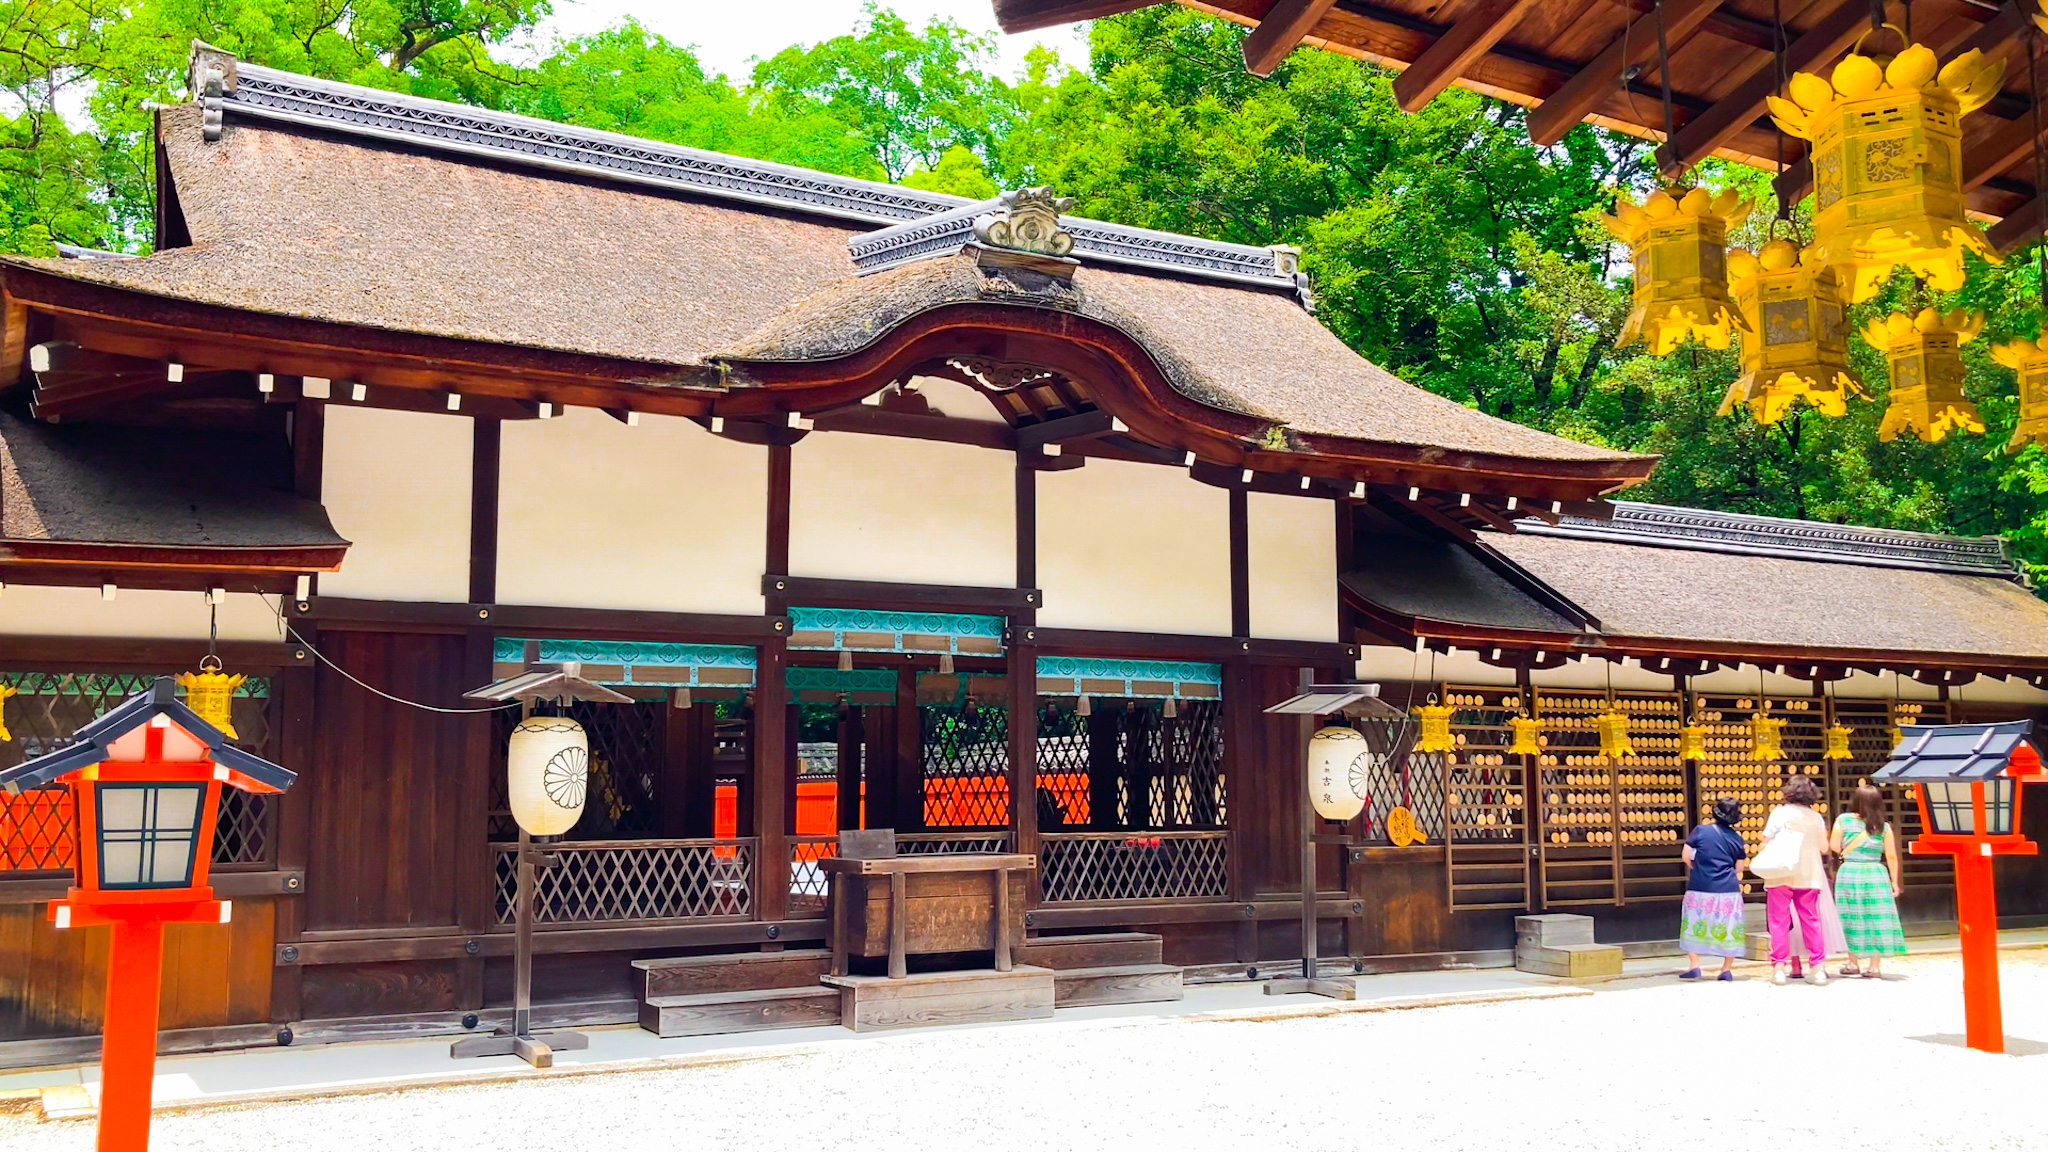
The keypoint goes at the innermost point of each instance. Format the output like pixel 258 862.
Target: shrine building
pixel 987 523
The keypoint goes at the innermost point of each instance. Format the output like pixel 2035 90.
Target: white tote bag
pixel 1778 860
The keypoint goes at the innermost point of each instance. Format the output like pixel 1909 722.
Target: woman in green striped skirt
pixel 1867 885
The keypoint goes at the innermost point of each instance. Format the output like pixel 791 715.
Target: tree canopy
pixel 1442 244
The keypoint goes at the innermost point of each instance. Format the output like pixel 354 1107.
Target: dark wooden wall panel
pixel 401 986
pixel 386 786
pixel 53 983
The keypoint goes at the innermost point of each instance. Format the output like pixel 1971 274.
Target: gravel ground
pixel 1644 1064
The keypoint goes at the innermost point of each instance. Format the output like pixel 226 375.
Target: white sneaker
pixel 1816 975
pixel 1778 975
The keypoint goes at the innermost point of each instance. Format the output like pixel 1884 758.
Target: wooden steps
pixel 1562 945
pixel 747 971
pixel 747 1010
pixel 928 999
pixel 1116 984
pixel 1099 950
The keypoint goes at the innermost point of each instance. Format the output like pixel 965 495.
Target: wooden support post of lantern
pixel 145 783
pixel 548 768
pixel 1339 762
pixel 1969 778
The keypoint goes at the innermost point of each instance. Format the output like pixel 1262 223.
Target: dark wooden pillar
pixel 878 735
pixel 909 754
pixel 475 884
pixel 851 740
pixel 1138 765
pixel 1023 717
pixel 1104 811
pixel 771 745
pixel 687 790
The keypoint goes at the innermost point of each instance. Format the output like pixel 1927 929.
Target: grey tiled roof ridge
pixel 1666 526
pixel 274 95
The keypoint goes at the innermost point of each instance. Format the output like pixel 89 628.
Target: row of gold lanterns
pixel 1886 150
pixel 1765 731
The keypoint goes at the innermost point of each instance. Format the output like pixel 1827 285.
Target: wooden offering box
pixel 924 904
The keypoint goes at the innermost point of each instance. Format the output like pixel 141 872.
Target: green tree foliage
pixel 1442 244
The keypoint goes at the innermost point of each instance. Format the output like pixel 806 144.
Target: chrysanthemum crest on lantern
pixel 1679 243
pixel 1887 162
pixel 1924 352
pixel 2029 358
pixel 1798 333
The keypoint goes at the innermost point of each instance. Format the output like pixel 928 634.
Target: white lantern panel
pixel 547 764
pixel 146 833
pixel 1337 761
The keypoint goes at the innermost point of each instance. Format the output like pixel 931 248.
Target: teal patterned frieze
pixel 617 662
pixel 110 687
pixel 862 630
pixel 865 680
pixel 1139 679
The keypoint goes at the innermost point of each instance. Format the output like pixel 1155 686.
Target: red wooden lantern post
pixel 1968 777
pixel 145 783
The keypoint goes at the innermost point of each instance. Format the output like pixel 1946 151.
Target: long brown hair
pixel 1868 805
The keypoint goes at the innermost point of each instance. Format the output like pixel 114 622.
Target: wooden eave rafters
pixel 1446 60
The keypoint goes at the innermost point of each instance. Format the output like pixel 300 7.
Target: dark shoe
pixel 1726 974
pixel 1689 974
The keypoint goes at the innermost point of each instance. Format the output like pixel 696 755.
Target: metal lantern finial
pixel 1924 352
pixel 1887 163
pixel 1678 238
pixel 2029 358
pixel 1798 333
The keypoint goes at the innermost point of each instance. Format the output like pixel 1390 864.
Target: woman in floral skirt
pixel 1867 884
pixel 1710 921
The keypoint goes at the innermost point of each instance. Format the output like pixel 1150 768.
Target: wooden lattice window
pixel 45 712
pixel 966 765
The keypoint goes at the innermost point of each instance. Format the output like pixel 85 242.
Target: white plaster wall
pixel 1381 664
pixel 1134 548
pixel 662 517
pixel 1586 672
pixel 957 400
pixel 911 511
pixel 396 484
pixel 134 613
pixel 1291 545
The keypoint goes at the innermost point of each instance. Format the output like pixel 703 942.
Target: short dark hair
pixel 1727 812
pixel 1800 790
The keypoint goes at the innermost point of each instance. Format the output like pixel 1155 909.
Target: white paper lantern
pixel 1338 762
pixel 547 764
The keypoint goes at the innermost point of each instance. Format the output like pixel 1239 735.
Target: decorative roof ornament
pixel 1678 238
pixel 1026 220
pixel 1798 341
pixel 1887 162
pixel 1925 356
pixel 2030 359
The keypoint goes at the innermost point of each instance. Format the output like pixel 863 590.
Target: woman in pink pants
pixel 1798 893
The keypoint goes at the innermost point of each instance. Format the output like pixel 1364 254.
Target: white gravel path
pixel 1647 1064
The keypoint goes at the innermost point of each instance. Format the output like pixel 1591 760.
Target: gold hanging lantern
pixel 2029 358
pixel 6 691
pixel 1887 163
pixel 211 693
pixel 1524 729
pixel 1692 742
pixel 1925 356
pixel 1613 729
pixel 1798 333
pixel 1679 244
pixel 1764 737
pixel 1435 722
pixel 1838 744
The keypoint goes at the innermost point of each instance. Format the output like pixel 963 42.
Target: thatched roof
pixel 1672 579
pixel 151 488
pixel 348 205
